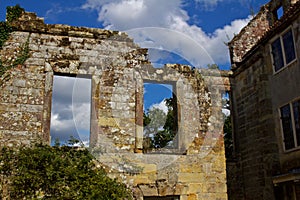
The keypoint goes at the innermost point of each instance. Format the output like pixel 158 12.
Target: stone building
pixel 265 105
pixel 192 169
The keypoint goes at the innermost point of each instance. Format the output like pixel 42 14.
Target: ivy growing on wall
pixel 20 58
pixel 5 30
pixel 13 13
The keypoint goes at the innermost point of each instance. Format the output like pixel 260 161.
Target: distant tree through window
pixel 160 117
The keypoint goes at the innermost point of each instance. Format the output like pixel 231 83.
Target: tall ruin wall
pixel 117 68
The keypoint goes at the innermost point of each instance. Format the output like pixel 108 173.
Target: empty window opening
pixel 279 12
pixel 162 198
pixel 71 110
pixel 160 117
pixel 227 128
pixel 226 104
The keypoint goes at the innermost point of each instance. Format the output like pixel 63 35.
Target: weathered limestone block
pixel 118 69
pixel 148 190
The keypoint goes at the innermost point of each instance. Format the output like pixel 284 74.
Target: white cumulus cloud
pixel 207 4
pixel 81 114
pixel 161 106
pixel 198 47
pixel 128 14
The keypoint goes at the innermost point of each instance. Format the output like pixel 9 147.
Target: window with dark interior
pixel 290 121
pixel 283 50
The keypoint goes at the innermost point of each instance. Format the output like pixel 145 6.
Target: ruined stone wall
pixel 118 68
pixel 256 29
pixel 56 49
pixel 249 35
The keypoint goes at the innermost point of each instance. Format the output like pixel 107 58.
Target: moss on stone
pixel 12 14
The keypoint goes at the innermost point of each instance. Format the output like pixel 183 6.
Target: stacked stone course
pixel 118 68
pixel 258 93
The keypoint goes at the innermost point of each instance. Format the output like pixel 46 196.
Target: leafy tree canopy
pixel 213 66
pixel 159 127
pixel 44 172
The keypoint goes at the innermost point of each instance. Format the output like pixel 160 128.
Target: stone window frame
pixel 193 97
pixel 174 150
pixel 283 52
pixel 293 126
pixel 182 147
pixel 48 102
pixel 172 197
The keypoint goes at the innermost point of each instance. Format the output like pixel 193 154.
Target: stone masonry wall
pixel 249 35
pixel 257 94
pixel 118 68
pixel 254 137
pixel 256 29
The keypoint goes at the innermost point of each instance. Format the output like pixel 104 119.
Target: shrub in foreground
pixel 44 172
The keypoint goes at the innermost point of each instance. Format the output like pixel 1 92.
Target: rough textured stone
pixel 257 28
pixel 118 69
pixel 258 92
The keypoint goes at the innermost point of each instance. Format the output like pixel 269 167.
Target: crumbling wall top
pixel 261 27
pixel 249 35
pixel 29 22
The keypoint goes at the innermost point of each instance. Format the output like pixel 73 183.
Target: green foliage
pixel 153 121
pixel 161 126
pixel 213 66
pixel 146 120
pixel 3 68
pixel 44 172
pixel 23 55
pixel 5 30
pixel 13 13
pixel 20 58
pixel 163 137
pixel 227 128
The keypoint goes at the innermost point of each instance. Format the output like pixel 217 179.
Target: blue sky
pixel 209 23
pixel 155 94
pixel 175 31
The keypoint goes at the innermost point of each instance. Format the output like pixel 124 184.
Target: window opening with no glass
pixel 159 117
pixel 71 110
pixel 279 12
